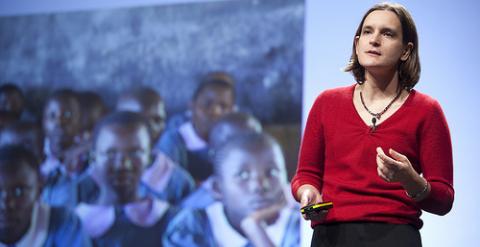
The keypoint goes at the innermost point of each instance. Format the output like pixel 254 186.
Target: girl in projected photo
pixel 24 219
pixel 252 210
pixel 378 149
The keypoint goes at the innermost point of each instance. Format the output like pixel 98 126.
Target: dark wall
pixel 167 47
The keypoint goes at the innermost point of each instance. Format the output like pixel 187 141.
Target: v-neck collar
pixel 386 120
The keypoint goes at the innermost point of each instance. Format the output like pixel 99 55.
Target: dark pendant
pixel 374 121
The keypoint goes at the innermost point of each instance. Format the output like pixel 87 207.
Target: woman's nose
pixel 375 39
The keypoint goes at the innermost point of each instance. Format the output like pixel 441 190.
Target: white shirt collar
pixel 225 235
pixel 38 231
pixel 158 175
pixel 49 165
pixel 191 138
pixel 98 219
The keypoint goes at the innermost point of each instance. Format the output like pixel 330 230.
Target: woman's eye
pixel 366 32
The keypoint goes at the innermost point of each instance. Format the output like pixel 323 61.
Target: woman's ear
pixel 407 52
pixel 356 44
pixel 216 185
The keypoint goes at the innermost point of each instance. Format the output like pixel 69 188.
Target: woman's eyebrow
pixel 367 27
pixel 388 29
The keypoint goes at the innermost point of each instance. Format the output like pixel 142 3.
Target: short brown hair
pixel 409 70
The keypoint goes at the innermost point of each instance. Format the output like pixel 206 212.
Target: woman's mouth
pixel 374 52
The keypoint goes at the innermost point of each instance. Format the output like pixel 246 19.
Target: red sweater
pixel 337 156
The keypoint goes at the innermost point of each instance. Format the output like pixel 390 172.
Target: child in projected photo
pixel 165 179
pixel 121 215
pixel 12 100
pixel 66 155
pixel 28 134
pixel 249 177
pixel 24 221
pixel 187 144
pixel 230 125
pixel 92 109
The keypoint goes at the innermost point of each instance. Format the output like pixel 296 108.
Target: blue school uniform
pixel 167 181
pixel 177 120
pixel 202 197
pixel 163 180
pixel 187 149
pixel 65 190
pixel 60 188
pixel 210 227
pixel 53 227
pixel 136 224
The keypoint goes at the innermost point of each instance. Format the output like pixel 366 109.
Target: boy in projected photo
pixel 92 108
pixel 187 145
pixel 28 134
pixel 249 177
pixel 121 215
pixel 66 154
pixel 165 179
pixel 12 100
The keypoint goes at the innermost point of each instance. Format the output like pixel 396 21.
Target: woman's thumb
pixel 306 198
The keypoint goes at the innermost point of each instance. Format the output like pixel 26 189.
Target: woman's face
pixel 121 154
pixel 380 44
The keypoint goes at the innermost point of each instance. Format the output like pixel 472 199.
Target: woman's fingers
pixel 306 198
pixel 382 176
pixel 386 166
pixel 397 156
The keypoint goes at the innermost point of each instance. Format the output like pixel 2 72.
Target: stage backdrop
pixel 167 47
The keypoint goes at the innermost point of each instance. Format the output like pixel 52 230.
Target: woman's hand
pixel 394 169
pixel 309 195
pixel 398 168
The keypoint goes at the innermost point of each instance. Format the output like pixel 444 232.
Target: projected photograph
pixel 169 124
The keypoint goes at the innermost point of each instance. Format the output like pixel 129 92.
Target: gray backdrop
pixel 167 47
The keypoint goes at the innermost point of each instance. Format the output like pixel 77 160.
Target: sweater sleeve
pixel 436 162
pixel 311 155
